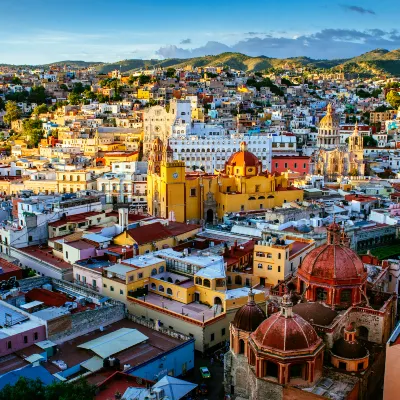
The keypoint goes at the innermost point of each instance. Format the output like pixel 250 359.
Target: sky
pixel 45 31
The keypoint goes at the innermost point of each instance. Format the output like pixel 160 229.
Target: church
pixel 198 197
pixel 324 339
pixel 332 159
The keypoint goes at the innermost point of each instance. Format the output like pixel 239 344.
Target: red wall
pixel 295 164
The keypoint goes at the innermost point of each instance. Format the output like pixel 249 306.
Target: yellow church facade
pixel 242 186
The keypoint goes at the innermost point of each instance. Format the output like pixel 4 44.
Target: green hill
pixel 375 62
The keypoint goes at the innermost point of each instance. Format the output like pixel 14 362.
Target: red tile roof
pixel 51 299
pixel 45 254
pixel 8 267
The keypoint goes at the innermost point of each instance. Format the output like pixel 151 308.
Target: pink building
pixel 300 164
pixel 18 329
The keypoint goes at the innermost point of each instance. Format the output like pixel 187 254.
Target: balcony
pixel 86 285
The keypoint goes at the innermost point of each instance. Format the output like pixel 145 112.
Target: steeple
pixel 286 305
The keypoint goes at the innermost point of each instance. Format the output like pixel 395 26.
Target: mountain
pixel 375 62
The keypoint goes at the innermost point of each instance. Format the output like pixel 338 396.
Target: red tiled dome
pixel 286 334
pixel 249 316
pixel 333 261
pixel 242 157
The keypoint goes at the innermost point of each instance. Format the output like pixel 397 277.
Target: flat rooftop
pixel 192 310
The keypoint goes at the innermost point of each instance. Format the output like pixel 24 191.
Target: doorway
pixel 210 216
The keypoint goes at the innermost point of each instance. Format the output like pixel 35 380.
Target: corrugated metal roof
pixel 10 317
pixel 114 342
pixel 34 357
pixel 28 306
pixel 93 364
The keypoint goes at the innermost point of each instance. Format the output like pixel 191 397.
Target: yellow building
pixel 143 94
pixel 276 259
pixel 74 181
pixel 153 237
pixel 120 156
pixel 242 186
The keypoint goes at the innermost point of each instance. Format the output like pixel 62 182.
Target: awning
pixel 93 364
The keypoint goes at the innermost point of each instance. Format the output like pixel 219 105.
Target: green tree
pixel 393 99
pixel 41 109
pixel 74 99
pixel 16 80
pixel 13 112
pixel 88 94
pixel 32 129
pixel 37 95
pixel 171 72
pixel 63 86
pixel 369 141
pixel 36 390
pixel 144 79
pixel 78 88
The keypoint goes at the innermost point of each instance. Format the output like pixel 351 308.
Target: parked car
pixel 205 373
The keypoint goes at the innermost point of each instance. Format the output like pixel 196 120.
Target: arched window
pixel 177 281
pixel 161 288
pixel 169 279
pixel 198 281
pixel 362 332
pixel 153 286
pixel 321 294
pixel 153 272
pixel 238 280
pixel 78 178
pixel 241 346
pixel 261 197
pixel 207 283
pixel 169 291
pixel 345 296
pixel 161 269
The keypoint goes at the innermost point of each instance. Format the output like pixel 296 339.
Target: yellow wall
pixel 115 294
pixel 143 94
pixel 109 159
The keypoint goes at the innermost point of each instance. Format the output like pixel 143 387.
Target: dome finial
pixel 243 146
pixel 250 299
pixel 329 109
pixel 287 305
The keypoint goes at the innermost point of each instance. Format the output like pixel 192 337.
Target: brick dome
pixel 243 158
pixel 249 316
pixel 286 332
pixel 334 260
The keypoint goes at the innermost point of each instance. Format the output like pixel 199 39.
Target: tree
pixel 41 109
pixel 13 112
pixel 393 99
pixel 369 141
pixel 171 72
pixel 63 86
pixel 78 88
pixel 74 99
pixel 32 129
pixel 144 79
pixel 36 390
pixel 37 95
pixel 16 80
pixel 2 104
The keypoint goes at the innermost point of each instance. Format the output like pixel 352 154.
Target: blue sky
pixel 45 31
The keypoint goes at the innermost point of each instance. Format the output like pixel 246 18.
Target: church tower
pixel 155 157
pixel 328 132
pixel 356 152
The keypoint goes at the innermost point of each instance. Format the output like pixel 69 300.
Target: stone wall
pixel 84 322
pixel 35 282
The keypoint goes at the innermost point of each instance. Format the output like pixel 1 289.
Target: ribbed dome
pixel 329 120
pixel 286 332
pixel 249 316
pixel 243 157
pixel 333 261
pixel 352 350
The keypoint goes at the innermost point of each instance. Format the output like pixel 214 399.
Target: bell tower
pixel 155 157
pixel 356 152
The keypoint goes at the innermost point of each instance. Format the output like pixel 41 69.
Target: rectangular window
pixel 279 268
pixel 112 288
pixel 193 192
pixel 121 291
pixel 212 337
pixel 291 266
pixel 242 207
pixel 260 266
pixel 9 345
pixel 66 255
pixel 130 278
pixel 35 336
pixel 29 238
pixel 295 165
pixel 223 332
pixel 104 285
pixel 285 165
pixel 269 267
pixel 25 339
pixel 257 188
pixel 140 275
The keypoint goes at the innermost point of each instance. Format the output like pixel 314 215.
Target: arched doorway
pixel 210 216
pixel 362 332
pixel 218 302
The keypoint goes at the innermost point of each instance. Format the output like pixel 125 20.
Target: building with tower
pixel 184 196
pixel 332 159
pixel 326 337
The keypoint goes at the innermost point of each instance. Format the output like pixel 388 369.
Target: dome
pixel 243 158
pixel 249 316
pixel 333 261
pixel 329 120
pixel 286 332
pixel 353 350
